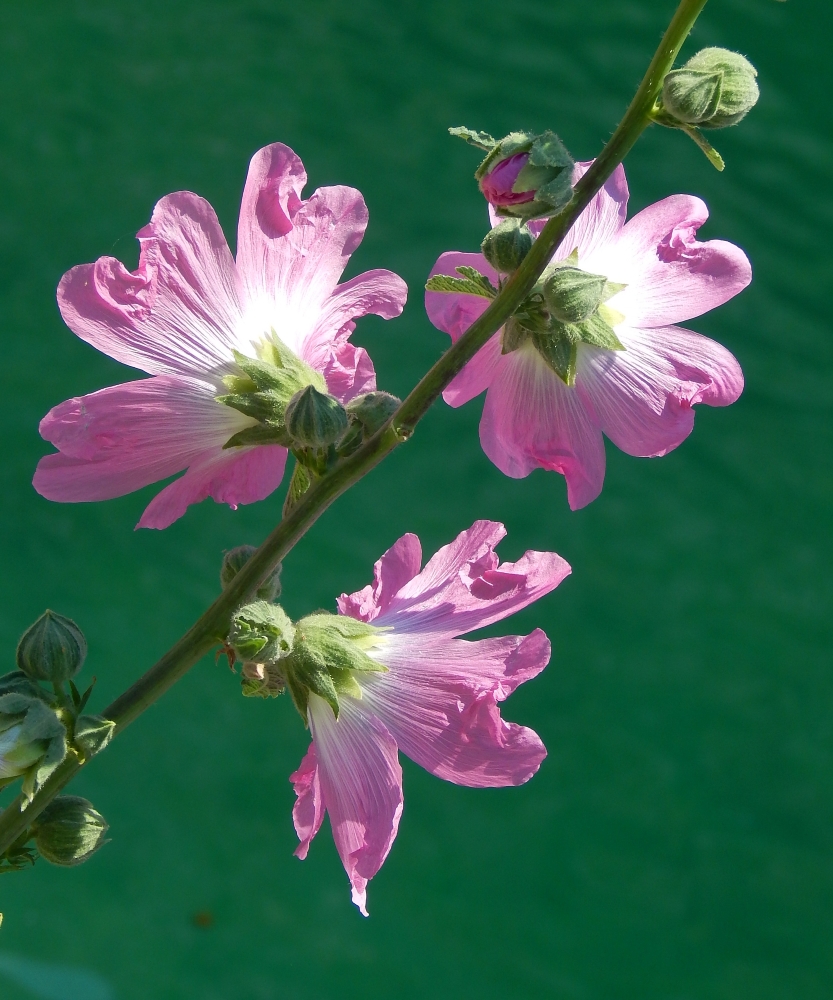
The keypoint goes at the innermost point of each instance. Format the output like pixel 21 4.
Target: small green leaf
pixel 460 286
pixel 480 139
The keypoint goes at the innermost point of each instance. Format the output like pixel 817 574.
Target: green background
pixel 676 844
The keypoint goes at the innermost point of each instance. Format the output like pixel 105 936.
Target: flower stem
pixel 211 628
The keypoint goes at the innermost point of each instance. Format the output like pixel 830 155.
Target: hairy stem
pixel 212 627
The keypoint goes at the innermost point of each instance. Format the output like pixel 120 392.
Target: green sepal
pixel 261 630
pixel 298 485
pixel 560 353
pixel 480 139
pixel 514 336
pixel 41 743
pixel 596 332
pixel 692 95
pixel 93 733
pixel 265 433
pixel 509 145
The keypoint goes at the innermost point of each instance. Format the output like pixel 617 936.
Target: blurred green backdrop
pixel 677 842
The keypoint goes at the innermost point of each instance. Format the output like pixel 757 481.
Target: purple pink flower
pixel 640 397
pixel 498 185
pixel 180 316
pixel 437 701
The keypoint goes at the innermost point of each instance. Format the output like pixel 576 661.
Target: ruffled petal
pixel 232 476
pixel 308 811
pixel 440 702
pixel 361 784
pixel 397 566
pixel 348 371
pixel 178 311
pixel 124 437
pixel 642 397
pixel 454 314
pixel 670 276
pixel 464 586
pixel 533 420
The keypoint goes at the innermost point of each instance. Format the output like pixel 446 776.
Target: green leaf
pixel 460 286
pixel 480 139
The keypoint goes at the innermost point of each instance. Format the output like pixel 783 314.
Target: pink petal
pixel 439 701
pixel 348 371
pixel 308 812
pixel 455 314
pixel 291 250
pixel 670 276
pixel 361 784
pixel 642 396
pixel 600 222
pixel 177 313
pixel 232 476
pixel 397 566
pixel 122 438
pixel 464 586
pixel 533 420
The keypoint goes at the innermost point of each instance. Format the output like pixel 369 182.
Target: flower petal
pixel 642 397
pixel 671 277
pixel 361 784
pixel 464 587
pixel 533 420
pixel 439 701
pixel 348 371
pixel 177 313
pixel 397 566
pixel 124 437
pixel 454 314
pixel 308 811
pixel 232 476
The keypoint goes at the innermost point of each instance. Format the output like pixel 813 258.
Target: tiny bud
pixel 261 680
pixel 235 559
pixel 373 410
pixel 52 650
pixel 93 733
pixel 315 419
pixel 506 245
pixel 572 295
pixel 69 830
pixel 261 632
pixel 714 89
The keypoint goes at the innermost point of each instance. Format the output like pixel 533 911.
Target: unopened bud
pixel 373 410
pixel 261 632
pixel 714 89
pixel 52 650
pixel 69 830
pixel 498 186
pixel 505 246
pixel 315 419
pixel 32 737
pixel 235 559
pixel 572 295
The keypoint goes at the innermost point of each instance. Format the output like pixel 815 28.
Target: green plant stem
pixel 211 628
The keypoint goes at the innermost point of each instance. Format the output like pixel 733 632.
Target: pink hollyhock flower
pixel 641 396
pixel 180 316
pixel 438 699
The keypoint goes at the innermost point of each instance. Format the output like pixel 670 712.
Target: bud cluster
pixel 525 175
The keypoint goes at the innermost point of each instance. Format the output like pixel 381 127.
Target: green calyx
pixel 264 389
pixel 314 419
pixel 33 739
pixel 261 631
pixel 566 309
pixel 69 831
pixel 548 171
pixel 329 651
pixel 506 245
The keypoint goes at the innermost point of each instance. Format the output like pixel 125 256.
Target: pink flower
pixel 497 186
pixel 641 396
pixel 438 700
pixel 180 316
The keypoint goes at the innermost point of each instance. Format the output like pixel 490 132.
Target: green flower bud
pixel 372 410
pixel 235 559
pixel 52 650
pixel 506 245
pixel 32 738
pixel 262 632
pixel 93 733
pixel 572 295
pixel 315 419
pixel 262 680
pixel 69 831
pixel 714 89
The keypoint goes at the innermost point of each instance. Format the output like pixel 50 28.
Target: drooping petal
pixel 599 223
pixel 464 586
pixel 122 438
pixel 454 314
pixel 348 371
pixel 308 811
pixel 670 276
pixel 397 566
pixel 642 397
pixel 361 784
pixel 440 702
pixel 234 476
pixel 178 311
pixel 533 420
